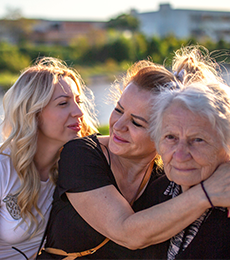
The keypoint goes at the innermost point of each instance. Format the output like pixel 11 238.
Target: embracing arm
pixel 107 211
pixel 111 215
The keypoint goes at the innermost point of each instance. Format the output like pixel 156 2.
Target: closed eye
pixel 63 103
pixel 136 124
pixel 117 110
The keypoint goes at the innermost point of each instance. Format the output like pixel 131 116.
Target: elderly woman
pixel 191 129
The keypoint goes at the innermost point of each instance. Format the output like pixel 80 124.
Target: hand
pixel 218 186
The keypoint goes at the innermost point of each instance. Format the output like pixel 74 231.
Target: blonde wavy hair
pixel 22 104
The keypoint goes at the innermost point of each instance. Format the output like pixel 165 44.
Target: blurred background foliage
pixel 109 55
pixel 109 58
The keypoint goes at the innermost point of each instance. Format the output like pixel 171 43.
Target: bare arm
pixel 111 215
pixel 107 211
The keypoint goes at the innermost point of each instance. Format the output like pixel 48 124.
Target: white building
pixel 184 23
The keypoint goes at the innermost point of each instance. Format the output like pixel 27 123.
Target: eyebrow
pixel 138 117
pixel 65 96
pixel 120 105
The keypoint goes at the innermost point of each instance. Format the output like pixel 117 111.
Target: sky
pixel 99 10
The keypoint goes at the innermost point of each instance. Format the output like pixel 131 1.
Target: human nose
pixel 76 110
pixel 120 124
pixel 181 152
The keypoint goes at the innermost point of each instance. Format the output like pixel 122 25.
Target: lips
pixel 75 127
pixel 119 139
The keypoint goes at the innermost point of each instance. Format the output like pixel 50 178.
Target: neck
pixel 131 167
pixel 129 174
pixel 45 158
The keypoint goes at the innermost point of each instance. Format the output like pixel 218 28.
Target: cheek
pixel 167 173
pixel 219 158
pixel 164 151
pixel 111 119
pixel 53 122
pixel 149 145
pixel 142 140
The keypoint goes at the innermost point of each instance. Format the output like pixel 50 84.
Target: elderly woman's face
pixel 190 148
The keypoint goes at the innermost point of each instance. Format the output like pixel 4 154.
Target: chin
pixel 115 150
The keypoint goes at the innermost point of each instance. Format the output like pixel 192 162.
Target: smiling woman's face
pixel 129 123
pixel 190 148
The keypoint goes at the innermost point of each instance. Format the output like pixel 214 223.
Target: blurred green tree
pixel 124 22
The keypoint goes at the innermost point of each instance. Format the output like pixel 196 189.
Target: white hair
pixel 211 101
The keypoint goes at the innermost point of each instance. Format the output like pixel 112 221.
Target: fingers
pixel 218 186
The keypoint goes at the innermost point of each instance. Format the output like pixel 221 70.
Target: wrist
pixel 198 196
pixel 206 194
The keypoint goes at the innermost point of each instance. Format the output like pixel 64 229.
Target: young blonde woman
pixel 44 109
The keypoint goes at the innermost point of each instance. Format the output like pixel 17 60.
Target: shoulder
pixel 5 155
pixel 5 162
pixel 82 150
pixel 80 146
pixel 9 179
pixel 104 140
pixel 82 166
pixel 87 141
